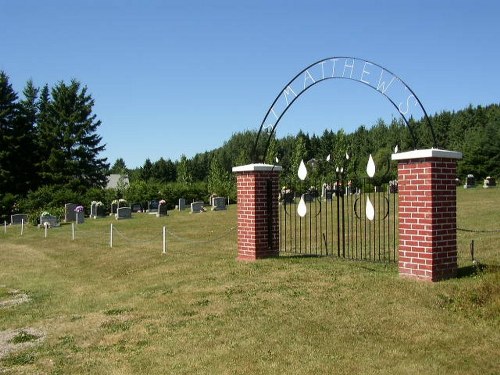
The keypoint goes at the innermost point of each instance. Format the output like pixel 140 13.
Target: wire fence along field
pixel 105 233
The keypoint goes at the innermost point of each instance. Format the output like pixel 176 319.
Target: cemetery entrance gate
pixel 355 219
pixel 343 218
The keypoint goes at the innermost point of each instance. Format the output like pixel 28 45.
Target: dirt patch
pixel 9 344
pixel 15 297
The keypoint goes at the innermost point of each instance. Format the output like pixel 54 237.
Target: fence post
pixel 111 236
pixel 5 226
pixel 45 225
pixel 164 240
pixel 73 231
pixel 22 226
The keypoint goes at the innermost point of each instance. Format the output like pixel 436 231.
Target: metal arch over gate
pixel 355 69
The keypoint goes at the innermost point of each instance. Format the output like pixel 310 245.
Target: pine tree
pixel 26 174
pixel 69 140
pixel 9 111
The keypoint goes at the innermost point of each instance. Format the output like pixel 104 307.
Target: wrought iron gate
pixel 341 219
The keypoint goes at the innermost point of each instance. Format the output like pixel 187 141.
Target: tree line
pixel 50 152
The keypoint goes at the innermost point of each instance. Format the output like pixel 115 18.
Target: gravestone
pixel 51 220
pixel 93 210
pixel 489 182
pixel 80 217
pixel 162 210
pixel 182 204
pixel 197 207
pixel 69 212
pixel 123 213
pixel 218 203
pixel 287 195
pixel 17 219
pixel 136 207
pixel 153 206
pixel 470 182
pixel 96 210
pixel 114 208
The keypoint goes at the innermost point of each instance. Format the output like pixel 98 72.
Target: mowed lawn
pixel 130 309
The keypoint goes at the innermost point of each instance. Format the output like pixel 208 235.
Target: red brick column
pixel 427 214
pixel 258 224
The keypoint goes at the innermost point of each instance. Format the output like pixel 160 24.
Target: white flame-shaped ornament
pixel 302 171
pixel 302 208
pixel 370 167
pixel 370 211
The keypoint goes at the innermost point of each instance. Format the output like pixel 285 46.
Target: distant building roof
pixel 115 179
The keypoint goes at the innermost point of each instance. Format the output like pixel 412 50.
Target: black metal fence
pixel 351 222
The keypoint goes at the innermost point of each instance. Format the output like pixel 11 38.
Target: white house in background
pixel 117 181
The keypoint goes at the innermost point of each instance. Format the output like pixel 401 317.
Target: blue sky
pixel 180 77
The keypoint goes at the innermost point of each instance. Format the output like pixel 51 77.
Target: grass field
pixel 130 309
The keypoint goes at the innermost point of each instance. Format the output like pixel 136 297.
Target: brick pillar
pixel 427 213
pixel 258 224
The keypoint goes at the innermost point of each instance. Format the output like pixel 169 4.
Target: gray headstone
pixel 162 210
pixel 197 207
pixel 153 206
pixel 182 204
pixel 80 217
pixel 69 212
pixel 218 203
pixel 18 219
pixel 123 213
pixel 50 219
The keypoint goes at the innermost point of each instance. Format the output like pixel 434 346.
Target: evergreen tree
pixel 184 175
pixel 146 170
pixel 119 167
pixel 68 139
pixel 26 173
pixel 9 111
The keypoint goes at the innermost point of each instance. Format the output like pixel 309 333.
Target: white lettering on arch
pixel 286 93
pixel 308 77
pixel 381 84
pixel 365 72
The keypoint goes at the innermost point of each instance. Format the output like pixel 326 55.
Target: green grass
pixel 130 309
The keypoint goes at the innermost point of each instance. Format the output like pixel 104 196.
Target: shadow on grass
pixel 476 269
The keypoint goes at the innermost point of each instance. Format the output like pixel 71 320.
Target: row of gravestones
pixel 470 182
pixel 97 210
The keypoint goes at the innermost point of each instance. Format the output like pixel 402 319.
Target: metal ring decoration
pixel 399 94
pixel 358 216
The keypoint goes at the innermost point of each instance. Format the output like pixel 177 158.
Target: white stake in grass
pixel 164 240
pixel 73 231
pixel 111 236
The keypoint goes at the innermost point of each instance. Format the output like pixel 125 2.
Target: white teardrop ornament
pixel 370 167
pixel 302 171
pixel 370 211
pixel 302 208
